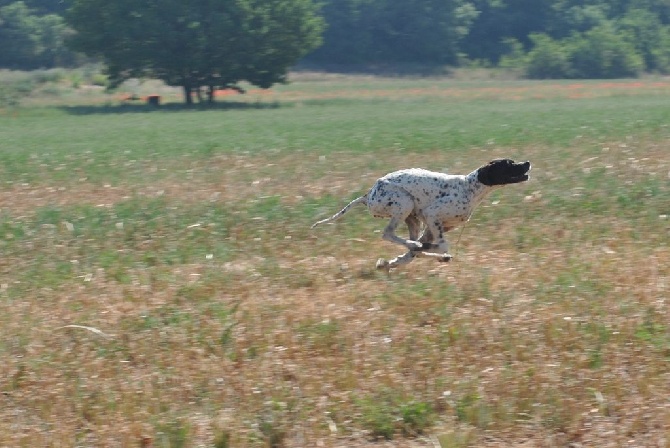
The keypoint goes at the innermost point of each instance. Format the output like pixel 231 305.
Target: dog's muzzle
pixel 524 169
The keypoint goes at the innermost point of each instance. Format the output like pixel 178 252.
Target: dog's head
pixel 503 172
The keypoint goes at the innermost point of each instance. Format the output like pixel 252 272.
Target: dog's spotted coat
pixel 440 202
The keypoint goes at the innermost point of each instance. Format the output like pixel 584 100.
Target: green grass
pixel 183 235
pixel 107 143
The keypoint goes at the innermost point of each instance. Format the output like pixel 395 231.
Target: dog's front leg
pixel 407 258
pixel 427 240
pixel 442 257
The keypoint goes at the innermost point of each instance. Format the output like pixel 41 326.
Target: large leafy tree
pixel 501 20
pixel 200 43
pixel 19 28
pixel 42 7
pixel 394 31
pixel 29 41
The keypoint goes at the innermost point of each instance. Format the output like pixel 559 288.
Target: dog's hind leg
pixel 400 260
pixel 414 226
pixel 391 201
pixel 390 235
pixel 426 239
pixel 409 256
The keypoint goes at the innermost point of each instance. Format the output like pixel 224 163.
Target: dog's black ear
pixel 485 174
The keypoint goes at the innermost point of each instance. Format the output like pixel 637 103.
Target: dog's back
pixel 425 186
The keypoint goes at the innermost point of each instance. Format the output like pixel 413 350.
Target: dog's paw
pixel 418 246
pixel 429 246
pixel 415 245
pixel 444 258
pixel 383 265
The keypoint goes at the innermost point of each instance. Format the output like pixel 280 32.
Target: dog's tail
pixel 361 200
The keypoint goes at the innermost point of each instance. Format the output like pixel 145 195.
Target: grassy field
pixel 160 285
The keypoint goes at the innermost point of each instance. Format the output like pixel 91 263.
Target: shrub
pixel 516 57
pixel 416 416
pixel 598 53
pixel 222 439
pixel 13 86
pixel 46 76
pixel 548 58
pixel 174 433
pixel 661 55
pixel 386 413
pixel 273 426
pixel 644 30
pixel 99 79
pixel 602 53
pixel 9 97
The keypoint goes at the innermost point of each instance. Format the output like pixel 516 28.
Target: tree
pixel 394 31
pixel 602 53
pixel 597 53
pixel 18 28
pixel 644 30
pixel 42 7
pixel 31 41
pixel 202 43
pixel 500 20
pixel 548 59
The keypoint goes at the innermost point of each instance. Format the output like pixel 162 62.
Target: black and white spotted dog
pixel 432 201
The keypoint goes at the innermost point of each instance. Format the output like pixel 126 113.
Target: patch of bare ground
pixel 549 328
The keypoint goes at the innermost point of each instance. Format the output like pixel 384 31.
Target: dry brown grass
pixel 197 308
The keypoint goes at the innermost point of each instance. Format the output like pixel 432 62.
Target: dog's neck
pixel 478 189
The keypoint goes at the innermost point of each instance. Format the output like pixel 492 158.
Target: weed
pixel 222 439
pixel 324 335
pixel 379 417
pixel 595 358
pixel 456 439
pixel 272 424
pixel 473 410
pixel 388 413
pixel 185 236
pixel 655 333
pixel 416 417
pixel 173 434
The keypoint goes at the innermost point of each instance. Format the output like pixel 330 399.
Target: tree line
pixel 540 38
pixel 34 36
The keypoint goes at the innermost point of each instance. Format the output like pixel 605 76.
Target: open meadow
pixel 160 285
